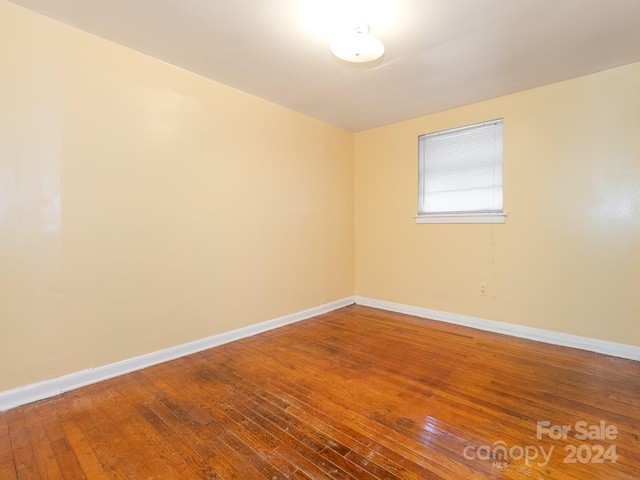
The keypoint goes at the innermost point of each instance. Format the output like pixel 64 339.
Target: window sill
pixel 463 218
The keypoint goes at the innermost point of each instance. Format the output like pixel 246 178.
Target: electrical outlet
pixel 483 289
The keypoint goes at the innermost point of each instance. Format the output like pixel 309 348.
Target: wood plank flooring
pixel 358 393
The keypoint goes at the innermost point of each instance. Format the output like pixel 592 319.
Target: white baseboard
pixel 631 352
pixel 49 388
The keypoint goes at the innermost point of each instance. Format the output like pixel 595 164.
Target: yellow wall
pixel 143 206
pixel 568 257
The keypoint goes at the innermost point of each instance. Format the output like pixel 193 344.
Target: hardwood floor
pixel 357 393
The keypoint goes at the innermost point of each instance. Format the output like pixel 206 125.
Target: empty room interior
pixel 271 239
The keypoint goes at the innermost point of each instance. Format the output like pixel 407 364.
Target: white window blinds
pixel 461 170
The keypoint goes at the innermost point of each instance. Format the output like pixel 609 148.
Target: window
pixel 461 175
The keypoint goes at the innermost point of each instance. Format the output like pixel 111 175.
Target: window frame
pixel 457 216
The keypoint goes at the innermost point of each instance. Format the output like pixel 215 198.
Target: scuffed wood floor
pixel 357 393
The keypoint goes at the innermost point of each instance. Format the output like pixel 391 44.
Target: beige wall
pixel 142 206
pixel 568 258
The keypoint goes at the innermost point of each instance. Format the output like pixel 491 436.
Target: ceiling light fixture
pixel 356 45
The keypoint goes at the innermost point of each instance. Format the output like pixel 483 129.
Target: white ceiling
pixel 439 53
